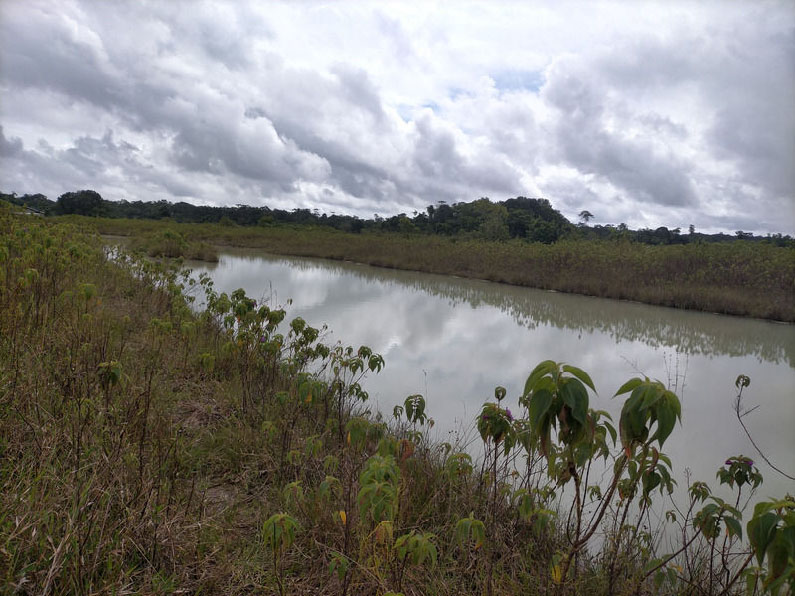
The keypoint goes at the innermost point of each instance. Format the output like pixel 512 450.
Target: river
pixel 453 340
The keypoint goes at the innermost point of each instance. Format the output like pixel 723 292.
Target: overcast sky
pixel 659 113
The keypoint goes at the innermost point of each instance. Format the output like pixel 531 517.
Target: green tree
pixel 493 218
pixel 81 202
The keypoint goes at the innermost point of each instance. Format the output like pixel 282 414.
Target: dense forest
pixel 531 219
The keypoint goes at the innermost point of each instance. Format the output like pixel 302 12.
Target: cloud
pixel 437 156
pixel 664 116
pixel 588 140
pixel 9 147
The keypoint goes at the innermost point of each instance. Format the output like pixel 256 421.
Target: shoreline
pixel 752 281
pixel 222 247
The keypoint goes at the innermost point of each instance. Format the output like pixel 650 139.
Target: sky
pixel 647 113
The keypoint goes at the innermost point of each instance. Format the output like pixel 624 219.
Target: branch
pixel 737 575
pixel 737 408
pixel 670 557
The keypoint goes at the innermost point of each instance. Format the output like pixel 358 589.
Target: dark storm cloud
pixel 755 123
pixel 221 35
pixel 253 149
pixel 577 197
pixel 47 53
pixel 354 156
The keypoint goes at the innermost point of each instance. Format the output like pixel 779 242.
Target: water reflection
pixel 686 331
pixel 454 340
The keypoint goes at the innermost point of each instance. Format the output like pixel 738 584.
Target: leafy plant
pixel 414 407
pixel 469 529
pixel 417 549
pixel 739 470
pixel 278 533
pixel 378 492
pixel 771 532
pixel 650 405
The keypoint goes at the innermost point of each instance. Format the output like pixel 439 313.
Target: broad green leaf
pixel 633 401
pixel 777 554
pixel 788 532
pixel 761 531
pixel 734 527
pixel 628 386
pixel 735 512
pixel 639 395
pixel 611 429
pixel 631 424
pixel 576 397
pixel 603 414
pixel 462 529
pixel 651 396
pixel 650 481
pixel 543 435
pixel 666 419
pixel 673 401
pixel 653 563
pixel 539 406
pixel 666 477
pixel 305 391
pixel 625 431
pixel 659 578
pixel 580 374
pixel 547 367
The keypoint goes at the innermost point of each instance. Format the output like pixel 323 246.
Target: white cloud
pixel 653 113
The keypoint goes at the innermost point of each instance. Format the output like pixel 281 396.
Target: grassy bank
pixel 147 449
pixel 739 278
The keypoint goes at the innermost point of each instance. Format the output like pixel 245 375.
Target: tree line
pixel 530 219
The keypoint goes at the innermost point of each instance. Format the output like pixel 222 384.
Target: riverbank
pixel 743 279
pixel 152 450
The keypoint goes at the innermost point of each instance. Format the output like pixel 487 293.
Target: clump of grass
pixel 172 244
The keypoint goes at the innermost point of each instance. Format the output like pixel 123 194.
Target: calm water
pixel 453 340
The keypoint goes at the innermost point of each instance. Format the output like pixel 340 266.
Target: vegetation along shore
pixel 520 241
pixel 147 448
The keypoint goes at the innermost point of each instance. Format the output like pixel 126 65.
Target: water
pixel 453 340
